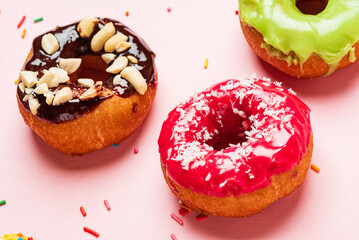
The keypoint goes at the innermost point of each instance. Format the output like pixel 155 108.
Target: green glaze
pixel 330 34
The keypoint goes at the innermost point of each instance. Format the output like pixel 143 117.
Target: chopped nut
pixel 86 26
pixel 41 89
pixel 29 78
pixel 34 105
pixel 28 97
pixel 132 59
pixel 110 45
pixel 49 97
pixel 22 87
pixel 60 74
pixel 92 91
pixel 86 82
pixel 49 43
pixel 50 79
pixel 62 96
pixel 123 46
pixel 108 57
pixel 70 65
pixel 28 90
pixel 98 41
pixel 118 65
pixel 134 76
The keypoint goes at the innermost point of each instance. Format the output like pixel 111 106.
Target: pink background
pixel 44 189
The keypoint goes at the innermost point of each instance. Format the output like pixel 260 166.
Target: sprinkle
pixel 135 150
pixel 127 13
pixel 107 205
pixel 183 212
pixel 315 168
pixel 83 211
pixel 206 63
pixel 168 9
pixel 177 219
pixel 20 238
pixel 236 12
pixel 38 19
pixel 30 238
pixel 17 81
pixel 21 22
pixel 20 234
pixel 115 145
pixel 93 232
pixel 173 237
pixel 201 217
pixel 23 33
pixel 3 202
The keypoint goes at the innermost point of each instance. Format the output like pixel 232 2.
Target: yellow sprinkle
pixel 23 34
pixel 16 81
pixel 206 63
pixel 315 168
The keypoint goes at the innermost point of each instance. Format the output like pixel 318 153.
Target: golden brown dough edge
pixel 246 204
pixel 109 123
pixel 313 67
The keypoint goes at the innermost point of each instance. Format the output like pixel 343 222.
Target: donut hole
pixel 311 7
pixel 92 67
pixel 230 130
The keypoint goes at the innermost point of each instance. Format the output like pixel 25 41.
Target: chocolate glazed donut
pixel 87 85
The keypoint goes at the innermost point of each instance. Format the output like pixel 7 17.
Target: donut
pixel 236 147
pixel 304 39
pixel 14 236
pixel 87 85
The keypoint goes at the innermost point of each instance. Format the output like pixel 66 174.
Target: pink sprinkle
pixel 135 150
pixel 173 237
pixel 201 217
pixel 236 12
pixel 107 205
pixel 83 211
pixel 177 219
pixel 168 9
pixel 21 21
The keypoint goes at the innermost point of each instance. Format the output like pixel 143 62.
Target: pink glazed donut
pixel 236 147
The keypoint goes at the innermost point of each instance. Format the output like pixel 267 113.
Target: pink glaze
pixel 231 138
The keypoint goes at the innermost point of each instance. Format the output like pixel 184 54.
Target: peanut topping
pixel 118 65
pixel 29 78
pixel 134 76
pixel 49 43
pixel 86 82
pixel 60 74
pixel 49 97
pixel 132 59
pixel 92 92
pixel 70 65
pixel 123 46
pixel 62 96
pixel 108 57
pixel 87 26
pixel 100 38
pixel 110 45
pixel 34 105
pixel 41 89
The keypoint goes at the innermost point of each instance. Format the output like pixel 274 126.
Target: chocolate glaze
pixel 73 46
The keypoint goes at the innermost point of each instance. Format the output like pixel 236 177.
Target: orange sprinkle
pixel 23 34
pixel 185 207
pixel 16 81
pixel 315 168
pixel 206 63
pixel 127 13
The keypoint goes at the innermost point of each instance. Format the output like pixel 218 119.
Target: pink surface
pixel 44 189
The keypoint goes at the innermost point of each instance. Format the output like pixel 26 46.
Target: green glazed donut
pixel 310 45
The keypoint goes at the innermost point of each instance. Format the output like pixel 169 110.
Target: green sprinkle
pixel 38 20
pixel 3 202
